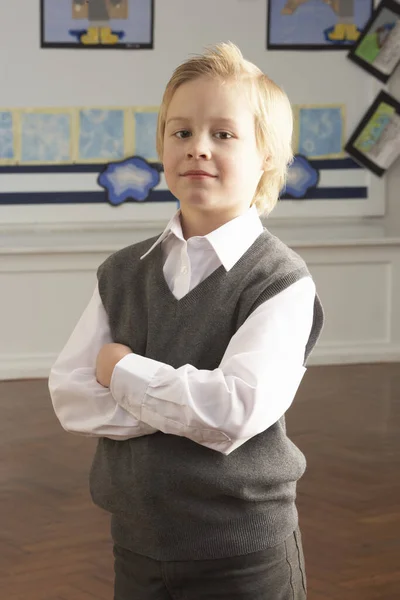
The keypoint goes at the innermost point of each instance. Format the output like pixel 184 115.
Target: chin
pixel 201 201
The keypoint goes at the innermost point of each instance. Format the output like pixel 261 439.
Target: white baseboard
pixel 337 354
pixel 26 366
pixel 37 366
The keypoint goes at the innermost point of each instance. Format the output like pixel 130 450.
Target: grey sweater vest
pixel 171 498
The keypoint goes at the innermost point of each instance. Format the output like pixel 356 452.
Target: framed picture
pixel 97 24
pixel 375 143
pixel 378 48
pixel 316 24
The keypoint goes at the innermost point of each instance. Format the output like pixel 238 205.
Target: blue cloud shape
pixel 130 179
pixel 301 177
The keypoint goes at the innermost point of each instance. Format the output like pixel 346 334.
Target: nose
pixel 199 148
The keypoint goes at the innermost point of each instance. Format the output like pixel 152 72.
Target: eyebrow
pixel 221 120
pixel 176 119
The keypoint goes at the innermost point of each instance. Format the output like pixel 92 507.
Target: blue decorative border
pixel 325 164
pixel 100 196
pixel 337 193
pixel 161 196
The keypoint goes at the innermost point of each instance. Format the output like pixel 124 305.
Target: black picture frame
pixel 306 46
pixel 350 148
pixel 80 46
pixel 354 54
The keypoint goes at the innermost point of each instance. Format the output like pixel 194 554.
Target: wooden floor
pixel 54 544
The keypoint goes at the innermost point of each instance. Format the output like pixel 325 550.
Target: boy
pixel 192 349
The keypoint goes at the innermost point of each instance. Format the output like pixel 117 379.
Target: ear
pixel 265 163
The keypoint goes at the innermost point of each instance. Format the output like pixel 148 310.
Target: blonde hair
pixel 272 110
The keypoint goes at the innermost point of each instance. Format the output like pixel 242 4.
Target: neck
pixel 201 224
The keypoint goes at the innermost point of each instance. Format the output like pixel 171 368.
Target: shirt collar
pixel 230 241
pixel 173 227
pixel 234 238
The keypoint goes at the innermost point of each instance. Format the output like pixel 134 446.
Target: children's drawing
pixel 376 141
pixel 131 179
pixel 316 24
pixel 378 49
pixel 97 24
pixel 7 137
pixel 319 131
pixel 46 136
pixel 145 124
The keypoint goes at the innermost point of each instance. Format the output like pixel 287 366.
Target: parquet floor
pixel 55 545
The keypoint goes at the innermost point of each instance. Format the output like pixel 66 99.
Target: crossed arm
pixel 103 389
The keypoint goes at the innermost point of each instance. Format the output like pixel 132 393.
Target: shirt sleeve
pixel 251 389
pixel 82 405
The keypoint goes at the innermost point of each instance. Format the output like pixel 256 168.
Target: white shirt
pixel 250 390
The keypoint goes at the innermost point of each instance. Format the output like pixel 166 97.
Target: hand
pixel 107 358
pixel 78 7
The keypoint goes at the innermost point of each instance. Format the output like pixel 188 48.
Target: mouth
pixel 198 174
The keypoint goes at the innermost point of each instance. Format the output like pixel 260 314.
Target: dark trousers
pixel 273 574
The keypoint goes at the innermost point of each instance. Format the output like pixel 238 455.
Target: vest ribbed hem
pixel 253 534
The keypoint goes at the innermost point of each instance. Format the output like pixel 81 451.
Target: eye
pixel 223 135
pixel 184 133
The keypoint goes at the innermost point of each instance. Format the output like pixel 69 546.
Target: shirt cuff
pixel 130 380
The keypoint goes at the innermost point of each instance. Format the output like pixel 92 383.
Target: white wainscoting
pixel 47 276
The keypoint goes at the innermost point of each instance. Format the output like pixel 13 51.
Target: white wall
pixel 46 282
pixel 393 176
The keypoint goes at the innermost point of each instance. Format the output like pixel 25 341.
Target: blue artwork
pixel 101 135
pixel 6 136
pixel 145 134
pixel 46 137
pixel 100 24
pixel 301 177
pixel 316 24
pixel 320 132
pixel 131 179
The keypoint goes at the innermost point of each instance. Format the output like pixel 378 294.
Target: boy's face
pixel 211 160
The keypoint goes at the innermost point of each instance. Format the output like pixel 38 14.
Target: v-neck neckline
pixel 193 292
pixel 205 283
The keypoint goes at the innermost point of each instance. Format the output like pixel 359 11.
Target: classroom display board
pixel 77 126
